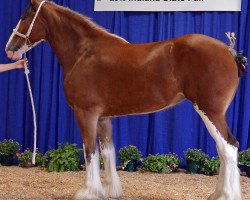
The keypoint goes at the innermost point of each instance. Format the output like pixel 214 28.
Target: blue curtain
pixel 172 130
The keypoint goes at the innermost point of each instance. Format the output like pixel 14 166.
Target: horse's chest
pixel 79 91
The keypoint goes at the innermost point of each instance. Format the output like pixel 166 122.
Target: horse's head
pixel 28 32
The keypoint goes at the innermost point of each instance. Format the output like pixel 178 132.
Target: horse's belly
pixel 144 107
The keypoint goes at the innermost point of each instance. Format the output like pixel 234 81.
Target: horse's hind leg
pixel 112 181
pixel 87 122
pixel 228 186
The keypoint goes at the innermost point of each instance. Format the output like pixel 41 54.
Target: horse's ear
pixel 35 2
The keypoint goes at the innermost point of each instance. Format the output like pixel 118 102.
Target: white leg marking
pixel 112 182
pixel 94 189
pixel 228 186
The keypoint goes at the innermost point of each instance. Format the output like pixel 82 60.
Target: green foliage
pixel 244 157
pixel 195 155
pixel 41 160
pixel 129 153
pixel 156 163
pixel 173 161
pixel 101 162
pixel 9 147
pixel 65 158
pixel 211 166
pixel 26 157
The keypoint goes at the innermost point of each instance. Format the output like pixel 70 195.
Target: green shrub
pixel 211 166
pixel 9 147
pixel 196 155
pixel 129 153
pixel 156 163
pixel 41 160
pixel 173 162
pixel 244 157
pixel 65 158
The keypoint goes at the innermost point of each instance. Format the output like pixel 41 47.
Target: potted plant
pixel 211 167
pixel 128 157
pixel 156 163
pixel 25 159
pixel 195 159
pixel 244 159
pixel 8 149
pixel 65 158
pixel 173 162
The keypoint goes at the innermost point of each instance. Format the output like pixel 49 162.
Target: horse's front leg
pixel 87 121
pixel 112 182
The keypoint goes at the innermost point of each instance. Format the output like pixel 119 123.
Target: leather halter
pixel 27 35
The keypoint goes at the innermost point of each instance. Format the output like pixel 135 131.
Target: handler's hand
pixel 21 63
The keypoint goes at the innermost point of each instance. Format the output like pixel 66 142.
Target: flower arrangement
pixel 195 155
pixel 25 159
pixel 129 154
pixel 211 167
pixel 173 162
pixel 9 147
pixel 164 163
pixel 195 159
pixel 156 163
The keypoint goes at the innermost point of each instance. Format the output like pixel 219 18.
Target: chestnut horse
pixel 105 76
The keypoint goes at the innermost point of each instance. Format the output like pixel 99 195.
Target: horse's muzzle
pixel 14 55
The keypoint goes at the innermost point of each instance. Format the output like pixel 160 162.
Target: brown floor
pixel 36 184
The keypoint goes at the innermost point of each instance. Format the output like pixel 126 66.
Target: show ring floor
pixel 36 184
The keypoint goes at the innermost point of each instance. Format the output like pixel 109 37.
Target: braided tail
pixel 238 56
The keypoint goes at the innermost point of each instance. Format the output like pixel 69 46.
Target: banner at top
pixel 167 5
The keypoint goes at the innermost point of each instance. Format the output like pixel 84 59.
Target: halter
pixel 27 35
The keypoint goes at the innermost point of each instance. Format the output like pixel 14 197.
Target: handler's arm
pixel 17 65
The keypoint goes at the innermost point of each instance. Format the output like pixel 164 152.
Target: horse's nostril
pixel 16 47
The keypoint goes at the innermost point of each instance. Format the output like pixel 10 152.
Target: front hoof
pixel 90 193
pixel 211 197
pixel 224 196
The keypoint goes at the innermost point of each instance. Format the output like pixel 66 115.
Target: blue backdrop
pixel 173 130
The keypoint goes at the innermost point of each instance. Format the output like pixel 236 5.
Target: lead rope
pixel 26 71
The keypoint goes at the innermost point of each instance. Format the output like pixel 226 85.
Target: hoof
pixel 211 197
pixel 215 196
pixel 90 193
pixel 113 191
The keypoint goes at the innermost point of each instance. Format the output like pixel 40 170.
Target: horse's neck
pixel 68 36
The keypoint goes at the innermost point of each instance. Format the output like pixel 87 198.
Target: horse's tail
pixel 238 56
